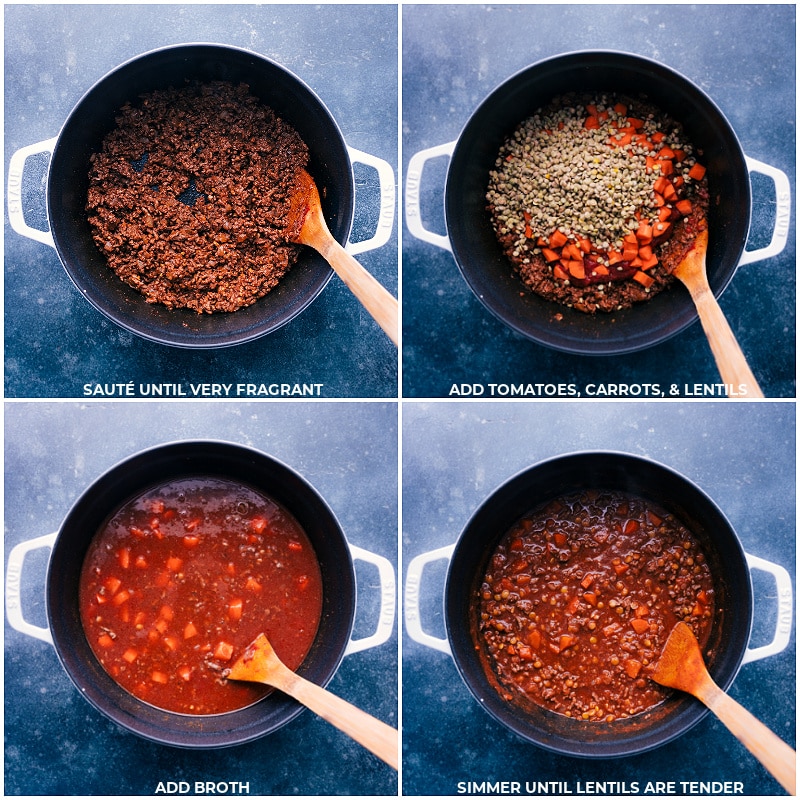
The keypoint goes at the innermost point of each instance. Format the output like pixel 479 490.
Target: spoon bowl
pixel 732 365
pixel 681 666
pixel 260 663
pixel 308 227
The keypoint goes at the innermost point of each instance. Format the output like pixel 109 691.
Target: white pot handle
pixel 413 580
pixel 388 589
pixel 16 168
pixel 413 181
pixel 388 201
pixel 783 212
pixel 783 624
pixel 13 592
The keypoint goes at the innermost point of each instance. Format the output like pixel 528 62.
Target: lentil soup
pixel 183 577
pixel 595 199
pixel 579 598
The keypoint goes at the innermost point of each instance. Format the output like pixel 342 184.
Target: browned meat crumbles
pixel 189 197
pixel 595 199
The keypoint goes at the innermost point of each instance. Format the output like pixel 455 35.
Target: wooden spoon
pixel 681 667
pixel 260 664
pixel 308 227
pixel 691 272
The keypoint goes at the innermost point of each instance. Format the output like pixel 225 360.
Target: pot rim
pixel 212 335
pixel 464 570
pixel 171 728
pixel 508 310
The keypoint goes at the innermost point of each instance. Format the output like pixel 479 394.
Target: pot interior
pixel 94 117
pixel 490 274
pixel 730 632
pixel 130 478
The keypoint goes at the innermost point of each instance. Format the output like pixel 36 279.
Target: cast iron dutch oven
pixel 130 478
pixel 728 645
pixel 489 273
pixel 94 116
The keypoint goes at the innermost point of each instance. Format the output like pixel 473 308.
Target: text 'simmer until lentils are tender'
pixel 586 195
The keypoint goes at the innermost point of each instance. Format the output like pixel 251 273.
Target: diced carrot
pixel 670 195
pixel 528 232
pixel 684 206
pixel 660 184
pixel 634 122
pixel 629 251
pixel 517 545
pixel 153 635
pixel 621 139
pixel 139 619
pixel 121 597
pixel 557 240
pixel 124 557
pixel 641 611
pixel 644 233
pixel 649 163
pixel 560 538
pixel 697 172
pixel 112 584
pixel 252 584
pixel 576 269
pixel 559 273
pixel 535 638
pixel 666 153
pixel 633 667
pixel 100 599
pixel 648 262
pixel 587 581
pixel 621 109
pixel 678 181
pixel 137 532
pixel 573 605
pixel 666 167
pixel 610 630
pixel 657 137
pixel 565 641
pixel 702 597
pixel 223 651
pixel 140 562
pixel 105 640
pixel 189 631
pixel 659 200
pixel 679 156
pixel 600 269
pixel 235 609
pixel 171 643
pixel 159 677
pixel 166 613
pixel 550 255
pixel 584 245
pixel 591 123
pixel 130 655
pixel 614 257
pixel 645 280
pixel 174 563
pixel 168 515
pixel 125 614
pixel 185 673
pixel 591 109
pixel 161 625
pixel 590 598
pixel 640 625
pixel 163 579
pixel 190 540
pixel 525 653
pixel 645 252
pixel 621 569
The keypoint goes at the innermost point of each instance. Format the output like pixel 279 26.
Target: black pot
pixel 93 118
pixel 130 478
pixel 622 472
pixel 488 271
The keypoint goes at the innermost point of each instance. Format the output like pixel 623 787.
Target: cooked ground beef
pixel 189 197
pixel 595 199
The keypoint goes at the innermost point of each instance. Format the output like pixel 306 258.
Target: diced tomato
pixel 235 609
pixel 174 563
pixel 223 651
pixel 121 597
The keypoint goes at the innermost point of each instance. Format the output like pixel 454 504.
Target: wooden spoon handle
pixel 375 299
pixel 378 737
pixel 730 360
pixel 769 749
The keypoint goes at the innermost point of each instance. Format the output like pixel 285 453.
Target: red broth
pixel 183 577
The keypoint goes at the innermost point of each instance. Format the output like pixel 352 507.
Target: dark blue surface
pixel 55 742
pixel 743 57
pixel 55 341
pixel 455 455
